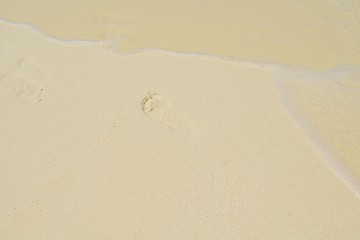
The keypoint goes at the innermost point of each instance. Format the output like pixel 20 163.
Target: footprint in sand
pixel 159 108
pixel 26 82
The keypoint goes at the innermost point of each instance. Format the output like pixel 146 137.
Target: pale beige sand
pixel 318 35
pixel 154 146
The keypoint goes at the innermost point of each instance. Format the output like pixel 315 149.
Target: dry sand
pixel 161 145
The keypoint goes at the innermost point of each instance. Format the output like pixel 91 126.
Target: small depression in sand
pixel 25 82
pixel 157 107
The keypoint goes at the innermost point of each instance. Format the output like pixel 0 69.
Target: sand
pixel 156 144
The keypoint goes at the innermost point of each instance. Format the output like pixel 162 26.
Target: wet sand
pixel 318 35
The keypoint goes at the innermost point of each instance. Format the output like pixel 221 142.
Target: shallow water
pixel 326 107
pixel 318 35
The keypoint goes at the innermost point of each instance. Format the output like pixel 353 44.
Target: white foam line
pixel 199 55
pixel 107 46
pixel 40 32
pixel 333 160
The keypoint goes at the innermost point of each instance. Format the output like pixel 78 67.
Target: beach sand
pixel 157 144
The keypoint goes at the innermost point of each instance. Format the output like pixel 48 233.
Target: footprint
pixel 26 83
pixel 159 108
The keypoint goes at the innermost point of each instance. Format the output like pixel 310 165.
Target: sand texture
pixel 131 136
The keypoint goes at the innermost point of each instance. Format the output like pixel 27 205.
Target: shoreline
pixel 155 145
pixel 280 70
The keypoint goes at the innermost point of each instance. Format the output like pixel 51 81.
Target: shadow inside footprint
pixel 157 107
